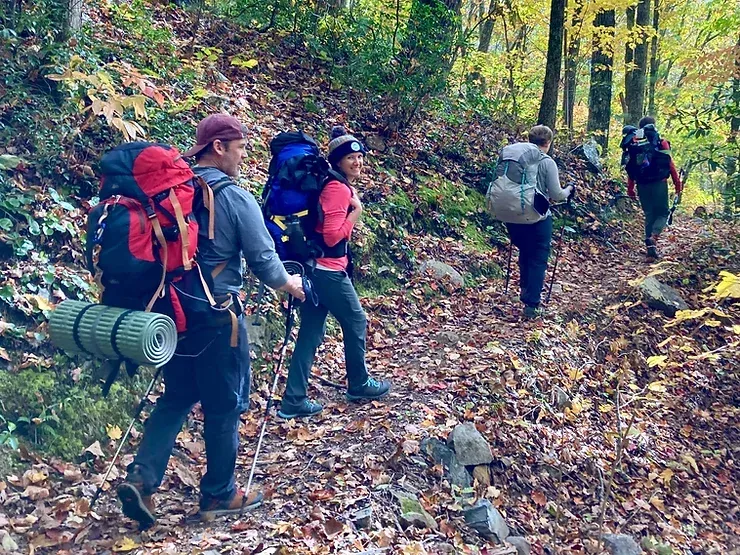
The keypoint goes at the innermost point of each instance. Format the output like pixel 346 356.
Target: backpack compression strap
pixel 163 243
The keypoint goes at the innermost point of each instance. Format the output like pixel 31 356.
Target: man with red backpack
pixel 211 364
pixel 647 159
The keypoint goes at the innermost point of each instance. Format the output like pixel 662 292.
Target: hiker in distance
pixel 340 209
pixel 525 181
pixel 206 367
pixel 649 163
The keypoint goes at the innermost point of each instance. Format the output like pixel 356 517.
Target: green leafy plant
pixel 7 436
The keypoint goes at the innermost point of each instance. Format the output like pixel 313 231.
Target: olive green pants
pixel 654 201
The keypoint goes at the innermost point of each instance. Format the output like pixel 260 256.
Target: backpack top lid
pixel 649 132
pixel 526 158
pixel 628 133
pixel 286 138
pixel 141 170
pixel 289 144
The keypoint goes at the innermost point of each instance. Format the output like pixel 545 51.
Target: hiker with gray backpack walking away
pixel 525 180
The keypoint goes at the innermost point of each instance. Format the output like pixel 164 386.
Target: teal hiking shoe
pixel 532 312
pixel 372 389
pixel 306 409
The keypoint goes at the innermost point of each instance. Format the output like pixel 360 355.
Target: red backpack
pixel 143 235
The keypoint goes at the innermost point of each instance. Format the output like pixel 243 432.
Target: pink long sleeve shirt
pixel 334 227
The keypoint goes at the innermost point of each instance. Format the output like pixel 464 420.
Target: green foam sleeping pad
pixel 107 332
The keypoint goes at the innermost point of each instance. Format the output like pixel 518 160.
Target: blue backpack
pixel 290 199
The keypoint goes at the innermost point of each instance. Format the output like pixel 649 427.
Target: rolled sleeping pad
pixel 108 332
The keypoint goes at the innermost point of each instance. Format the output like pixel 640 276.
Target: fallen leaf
pixel 666 476
pixel 657 502
pixel 34 493
pixel 186 476
pixel 114 432
pixel 124 544
pixel 34 476
pixel 72 474
pixel 95 450
pixel 657 387
pixel 410 446
pixel 539 498
pixel 690 461
pixel 332 527
pixel 657 360
pixel 321 495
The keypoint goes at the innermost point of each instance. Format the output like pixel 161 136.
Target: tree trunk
pixel 654 60
pixel 549 104
pixel 732 186
pixel 636 62
pixel 602 71
pixel 572 49
pixel 486 27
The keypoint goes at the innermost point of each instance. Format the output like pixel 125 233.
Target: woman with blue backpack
pixel 339 209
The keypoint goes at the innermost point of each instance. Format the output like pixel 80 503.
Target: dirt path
pixel 468 357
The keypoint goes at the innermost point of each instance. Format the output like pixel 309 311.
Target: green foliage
pixel 62 412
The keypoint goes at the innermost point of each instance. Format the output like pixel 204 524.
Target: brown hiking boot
pixel 239 503
pixel 135 504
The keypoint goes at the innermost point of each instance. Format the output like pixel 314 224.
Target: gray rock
pixel 455 472
pixel 560 398
pixel 447 338
pixel 470 447
pixel 362 518
pixel 257 331
pixel 485 519
pixel 661 297
pixel 621 544
pixel 373 141
pixel 412 513
pixel 441 271
pixel 7 543
pixel 521 544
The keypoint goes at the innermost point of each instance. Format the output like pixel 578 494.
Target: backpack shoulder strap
pixel 222 184
pixel 333 175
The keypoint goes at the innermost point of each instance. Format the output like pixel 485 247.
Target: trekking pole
pixel 140 408
pixel 508 268
pixel 558 248
pixel 555 264
pixel 293 268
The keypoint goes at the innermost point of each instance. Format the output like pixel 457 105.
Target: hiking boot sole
pixel 133 506
pixel 210 515
pixel 358 398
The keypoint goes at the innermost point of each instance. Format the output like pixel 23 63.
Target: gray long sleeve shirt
pixel 549 181
pixel 239 230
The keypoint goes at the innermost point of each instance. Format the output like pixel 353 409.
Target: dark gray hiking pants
pixel 654 200
pixel 337 296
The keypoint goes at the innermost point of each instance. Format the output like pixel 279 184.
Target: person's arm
pixel 335 201
pixel 549 173
pixel 666 147
pixel 255 242
pixel 631 188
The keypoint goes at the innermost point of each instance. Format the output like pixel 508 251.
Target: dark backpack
pixel 643 156
pixel 143 235
pixel 290 199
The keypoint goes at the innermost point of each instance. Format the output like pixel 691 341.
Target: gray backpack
pixel 514 196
